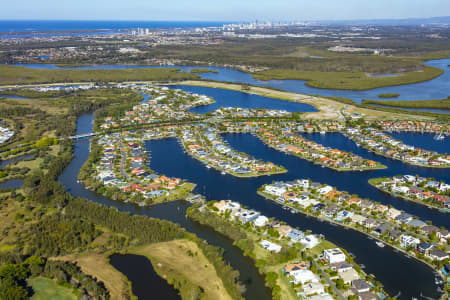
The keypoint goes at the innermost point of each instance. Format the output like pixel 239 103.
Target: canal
pixel 393 269
pixel 174 212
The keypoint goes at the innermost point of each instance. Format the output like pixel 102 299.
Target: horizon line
pixel 228 21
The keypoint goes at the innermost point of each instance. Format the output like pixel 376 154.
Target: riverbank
pixel 380 143
pixel 348 80
pixel 384 241
pixel 286 142
pixel 276 248
pixel 443 104
pixel 376 182
pixel 328 108
pixel 212 151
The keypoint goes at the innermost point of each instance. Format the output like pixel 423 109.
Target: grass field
pixel 47 289
pixel 174 258
pixel 322 246
pixel 97 265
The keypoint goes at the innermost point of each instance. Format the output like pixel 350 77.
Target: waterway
pixel 392 269
pixel 388 266
pixel 14 97
pixel 437 88
pixel 424 141
pixel 174 212
pixel 357 182
pixel 396 271
pixel 15 159
pixel 145 282
pixel 228 98
pixel 12 184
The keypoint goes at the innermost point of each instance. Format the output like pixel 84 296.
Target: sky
pixel 221 10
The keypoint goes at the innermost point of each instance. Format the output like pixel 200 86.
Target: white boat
pixel 322 132
pixel 208 166
pixel 380 244
pixel 223 173
pixel 439 137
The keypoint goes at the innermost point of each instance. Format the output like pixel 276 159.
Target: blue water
pixel 14 97
pixel 424 141
pixel 29 28
pixel 13 183
pixel 385 75
pixel 394 270
pixel 143 277
pixel 228 98
pixel 12 160
pixel 173 211
pixel 438 88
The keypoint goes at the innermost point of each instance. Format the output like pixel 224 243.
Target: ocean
pixel 29 28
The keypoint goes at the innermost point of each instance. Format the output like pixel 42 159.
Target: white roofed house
pixel 400 189
pixel 269 246
pixel 275 189
pixel 248 216
pixel 295 235
pixel 260 221
pixel 303 276
pixel 324 190
pixel 309 241
pixel 334 255
pixel 408 241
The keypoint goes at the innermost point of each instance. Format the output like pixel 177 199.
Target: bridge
pixel 82 136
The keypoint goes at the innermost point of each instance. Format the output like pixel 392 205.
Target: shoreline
pixel 309 77
pixel 408 198
pixel 403 161
pixel 323 165
pixel 436 271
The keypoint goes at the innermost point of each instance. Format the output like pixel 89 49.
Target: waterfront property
pixel 425 191
pixel 297 262
pixel 159 128
pixel 203 143
pixel 381 143
pixel 387 224
pixel 122 169
pixel 284 139
pixel 164 104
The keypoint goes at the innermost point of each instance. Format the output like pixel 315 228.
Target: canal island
pixel 234 161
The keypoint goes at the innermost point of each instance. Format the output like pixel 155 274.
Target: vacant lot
pixel 47 289
pixel 97 265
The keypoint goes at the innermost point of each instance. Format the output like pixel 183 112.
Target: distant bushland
pixel 387 95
